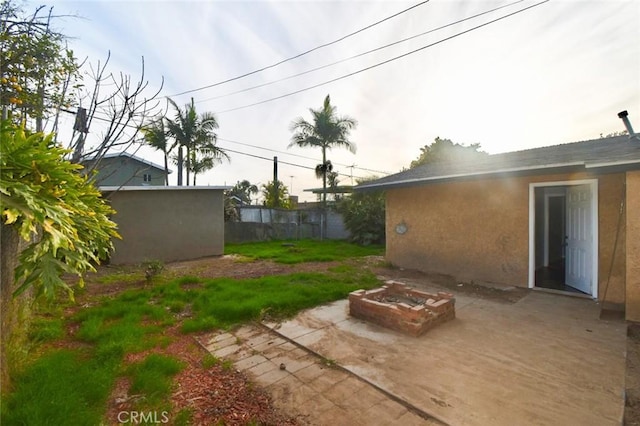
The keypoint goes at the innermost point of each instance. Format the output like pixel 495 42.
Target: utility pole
pixel 180 160
pixel 80 126
pixel 276 198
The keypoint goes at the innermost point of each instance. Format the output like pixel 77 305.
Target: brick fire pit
pixel 401 308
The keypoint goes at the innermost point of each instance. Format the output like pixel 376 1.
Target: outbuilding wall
pixel 167 223
pixel 478 230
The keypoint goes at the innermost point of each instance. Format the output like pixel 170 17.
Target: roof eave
pixel 456 176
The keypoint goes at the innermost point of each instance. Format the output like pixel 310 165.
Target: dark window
pixel 146 177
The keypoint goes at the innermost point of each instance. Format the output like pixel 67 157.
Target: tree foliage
pixel 37 70
pixel 42 194
pixel 616 133
pixel 273 198
pixel 240 194
pixel 364 216
pixel 326 130
pixel 195 133
pixel 155 135
pixel 40 78
pixel 243 191
pixel 445 151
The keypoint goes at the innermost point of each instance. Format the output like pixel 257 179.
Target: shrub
pixel 364 217
pixel 43 194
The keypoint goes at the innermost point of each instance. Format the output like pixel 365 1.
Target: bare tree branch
pixel 119 101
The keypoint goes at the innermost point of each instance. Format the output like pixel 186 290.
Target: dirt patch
pixel 433 281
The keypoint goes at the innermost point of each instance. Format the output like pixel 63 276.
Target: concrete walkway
pixel 545 360
pixel 306 385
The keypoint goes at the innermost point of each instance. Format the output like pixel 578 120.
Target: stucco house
pixel 125 169
pixel 564 217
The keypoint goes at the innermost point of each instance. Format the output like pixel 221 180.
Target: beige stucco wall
pixel 167 223
pixel 475 230
pixel 479 230
pixel 632 307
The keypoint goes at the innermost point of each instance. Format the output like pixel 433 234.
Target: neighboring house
pixel 167 223
pixel 564 217
pixel 124 169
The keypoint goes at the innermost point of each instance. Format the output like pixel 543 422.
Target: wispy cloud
pixel 557 73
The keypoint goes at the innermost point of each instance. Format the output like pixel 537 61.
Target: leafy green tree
pixel 616 133
pixel 273 198
pixel 196 133
pixel 155 135
pixel 239 194
pixel 243 190
pixel 37 71
pixel 42 194
pixel 364 216
pixel 445 151
pixel 326 130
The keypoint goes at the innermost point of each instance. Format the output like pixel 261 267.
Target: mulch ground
pixel 212 394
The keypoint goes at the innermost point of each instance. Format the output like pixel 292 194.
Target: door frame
pixel 593 185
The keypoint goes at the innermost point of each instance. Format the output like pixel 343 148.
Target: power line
pixel 359 54
pixel 298 155
pixel 251 155
pixel 281 162
pixel 395 58
pixel 301 54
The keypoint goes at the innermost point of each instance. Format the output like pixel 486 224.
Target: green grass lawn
pixel 71 386
pixel 299 251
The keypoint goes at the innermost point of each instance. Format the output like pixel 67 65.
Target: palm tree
pixel 195 133
pixel 243 190
pixel 325 131
pixel 155 135
pixel 204 158
pixel 201 165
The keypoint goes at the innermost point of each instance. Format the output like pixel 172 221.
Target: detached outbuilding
pixel 564 217
pixel 167 223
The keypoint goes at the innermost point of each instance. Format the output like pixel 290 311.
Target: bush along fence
pixel 258 223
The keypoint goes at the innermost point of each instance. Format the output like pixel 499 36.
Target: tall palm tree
pixel 195 133
pixel 155 135
pixel 326 130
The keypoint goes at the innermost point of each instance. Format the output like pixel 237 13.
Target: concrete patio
pixel 544 360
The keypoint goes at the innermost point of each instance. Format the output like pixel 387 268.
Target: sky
pixel 558 72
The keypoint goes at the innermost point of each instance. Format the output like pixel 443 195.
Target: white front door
pixel 579 239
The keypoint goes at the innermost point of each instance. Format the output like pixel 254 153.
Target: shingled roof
pixel 131 156
pixel 613 152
